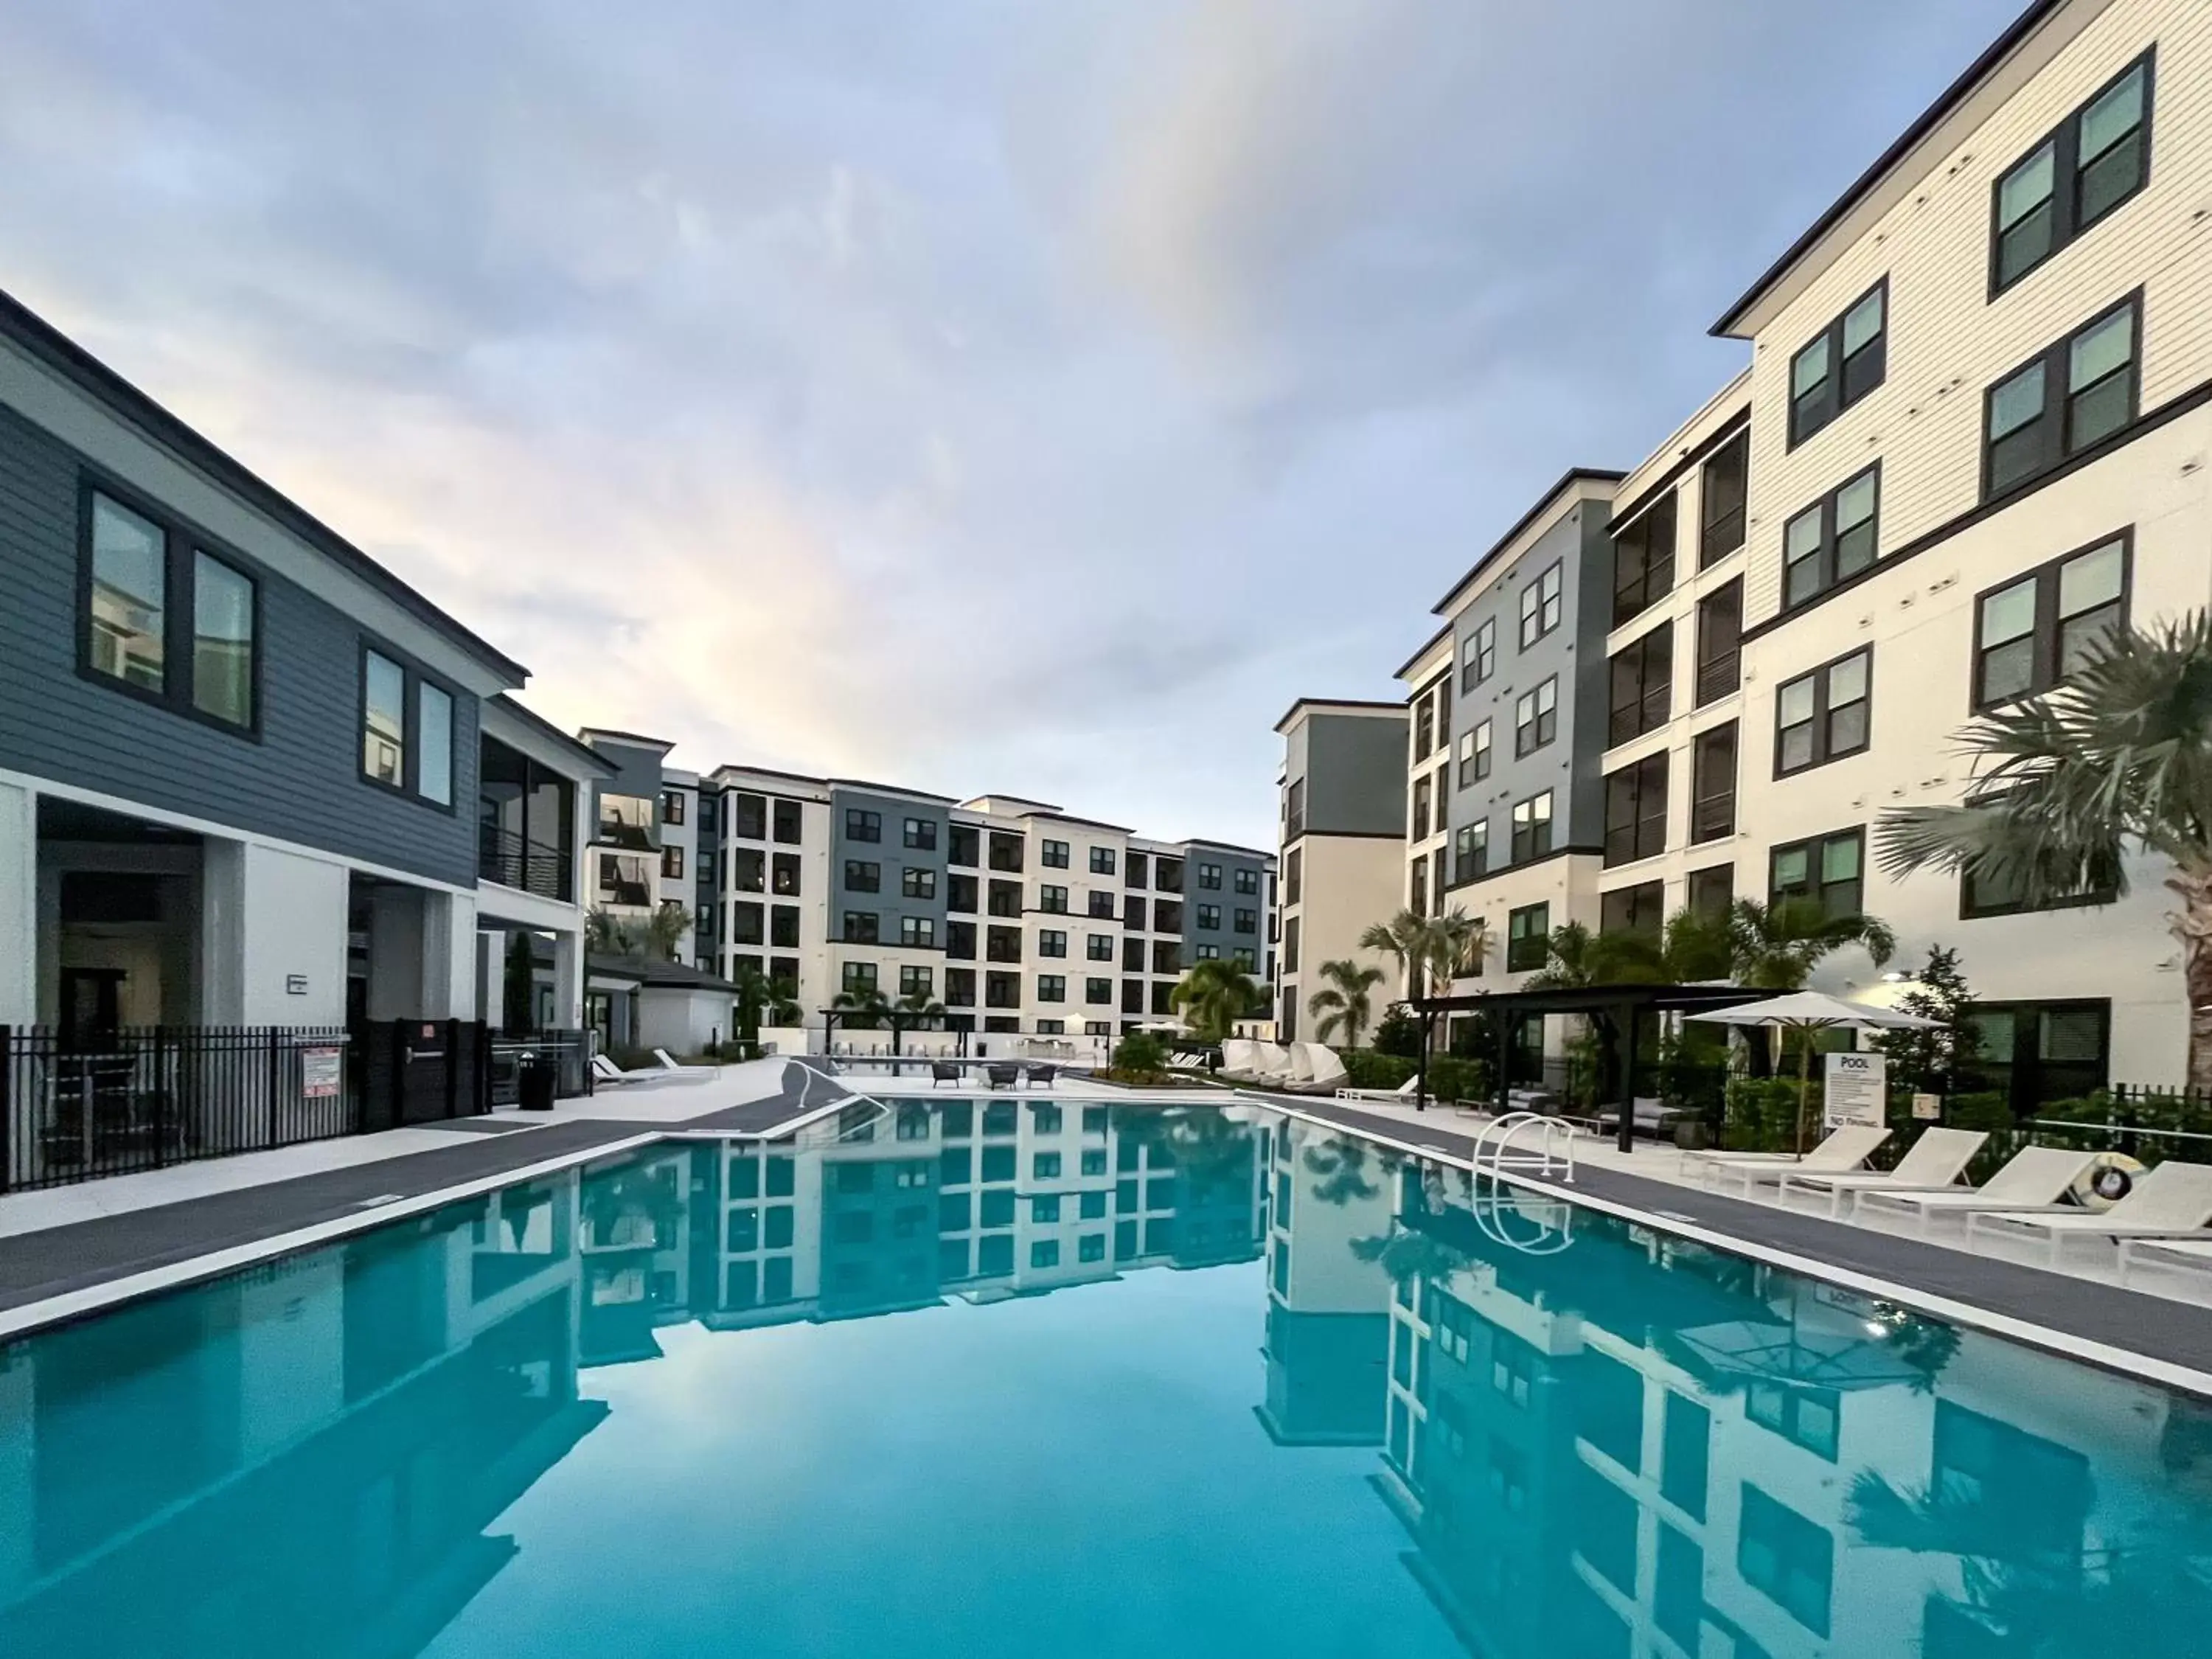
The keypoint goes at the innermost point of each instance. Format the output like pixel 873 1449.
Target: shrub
pixel 1141 1051
pixel 1400 1033
pixel 1761 1115
pixel 1373 1069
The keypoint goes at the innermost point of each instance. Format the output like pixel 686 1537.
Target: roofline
pixel 1336 702
pixel 664 744
pixel 1571 476
pixel 898 789
pixel 1426 646
pixel 1057 817
pixel 19 323
pixel 1951 97
pixel 1229 847
pixel 767 772
pixel 545 728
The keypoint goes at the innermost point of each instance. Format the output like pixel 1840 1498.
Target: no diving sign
pixel 1857 1089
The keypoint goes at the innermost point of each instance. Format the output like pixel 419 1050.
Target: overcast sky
pixel 1031 397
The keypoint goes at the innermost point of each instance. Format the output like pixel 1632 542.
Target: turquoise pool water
pixel 986 1379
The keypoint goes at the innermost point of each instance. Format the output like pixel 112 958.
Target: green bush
pixel 1399 1033
pixel 1372 1070
pixel 1450 1076
pixel 1141 1051
pixel 1761 1115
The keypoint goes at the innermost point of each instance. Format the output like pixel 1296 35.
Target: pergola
pixel 1621 1003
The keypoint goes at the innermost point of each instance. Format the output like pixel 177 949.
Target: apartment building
pixel 1341 859
pixel 247 776
pixel 1972 434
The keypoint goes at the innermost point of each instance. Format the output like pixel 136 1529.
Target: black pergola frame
pixel 1622 1002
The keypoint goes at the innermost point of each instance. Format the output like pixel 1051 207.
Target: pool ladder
pixel 1499 1208
pixel 1548 1149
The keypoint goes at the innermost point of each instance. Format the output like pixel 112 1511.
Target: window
pixel 1052 900
pixel 1167 875
pixel 745 925
pixel 960 988
pixel 1052 988
pixel 1209 917
pixel 1843 362
pixel 2071 397
pixel 1209 877
pixel 1638 909
pixel 1294 875
pixel 1823 716
pixel 964 846
pixel 384 719
pixel 2095 161
pixel 1833 540
pixel 788 819
pixel 1642 676
pixel 860 927
pixel 960 940
pixel 1002 944
pixel 1051 941
pixel 916 982
pixel 1712 890
pixel 860 977
pixel 2033 633
pixel 1005 851
pixel 783 927
pixel 749 816
pixel 224 606
pixel 1984 896
pixel 748 870
pixel 920 834
pixel 1098 991
pixel 1635 810
pixel 1420 809
pixel 784 875
pixel 1002 990
pixel 1712 783
pixel 1099 947
pixel 1787 1559
pixel 1541 606
pixel 672 862
pixel 1290 945
pixel 1723 489
pixel 918 932
pixel 1473 755
pixel 1644 561
pixel 1248 881
pixel 917 883
pixel 862 876
pixel 434 765
pixel 1102 860
pixel 672 806
pixel 1136 875
pixel 963 894
pixel 1167 917
pixel 1470 851
pixel 1052 855
pixel 1720 638
pixel 1424 729
pixel 1479 656
pixel 1417 891
pixel 1532 828
pixel 1528 937
pixel 1246 921
pixel 127 622
pixel 863 826
pixel 1828 868
pixel 1536 717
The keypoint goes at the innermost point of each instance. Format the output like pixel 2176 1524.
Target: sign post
pixel 1857 1090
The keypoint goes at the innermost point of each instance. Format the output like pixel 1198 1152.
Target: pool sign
pixel 1857 1090
pixel 322 1073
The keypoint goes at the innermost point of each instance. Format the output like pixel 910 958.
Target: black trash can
pixel 535 1076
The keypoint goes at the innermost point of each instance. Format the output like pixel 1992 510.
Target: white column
pixel 18 906
pixel 222 941
pixel 568 981
pixel 449 957
pixel 292 959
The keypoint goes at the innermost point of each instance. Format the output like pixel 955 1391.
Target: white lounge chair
pixel 606 1071
pixel 1240 1060
pixel 2033 1178
pixel 2134 1250
pixel 1323 1066
pixel 670 1063
pixel 1273 1067
pixel 1405 1091
pixel 1847 1148
pixel 2174 1200
pixel 1934 1163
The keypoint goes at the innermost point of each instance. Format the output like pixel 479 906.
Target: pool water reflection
pixel 962 1377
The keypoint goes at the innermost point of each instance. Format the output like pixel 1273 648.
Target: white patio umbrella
pixel 1805 1012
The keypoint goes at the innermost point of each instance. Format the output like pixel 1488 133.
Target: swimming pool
pixel 994 1377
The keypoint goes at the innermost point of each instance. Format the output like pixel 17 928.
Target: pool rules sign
pixel 1857 1089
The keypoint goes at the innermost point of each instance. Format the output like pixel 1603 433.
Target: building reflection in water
pixel 1605 1441
pixel 377 1405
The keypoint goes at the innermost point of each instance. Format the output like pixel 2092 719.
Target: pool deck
pixel 2080 1311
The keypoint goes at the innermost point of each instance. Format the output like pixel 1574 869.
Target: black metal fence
pixel 146 1098
pixel 528 867
pixel 569 1051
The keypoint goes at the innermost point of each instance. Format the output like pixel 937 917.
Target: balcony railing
pixel 635 837
pixel 613 890
pixel 528 867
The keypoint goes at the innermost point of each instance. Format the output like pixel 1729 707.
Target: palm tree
pixel 861 1011
pixel 1405 939
pixel 660 935
pixel 761 998
pixel 917 1009
pixel 1573 960
pixel 2120 756
pixel 665 931
pixel 1345 1004
pixel 1213 996
pixel 1457 944
pixel 1775 947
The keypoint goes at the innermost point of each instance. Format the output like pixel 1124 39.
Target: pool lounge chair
pixel 1405 1091
pixel 2174 1200
pixel 1323 1069
pixel 1240 1060
pixel 606 1071
pixel 670 1063
pixel 1273 1068
pixel 1846 1148
pixel 1934 1163
pixel 2033 1178
pixel 2133 1252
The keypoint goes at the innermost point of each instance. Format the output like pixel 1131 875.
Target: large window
pixel 784 877
pixel 1635 810
pixel 1536 717
pixel 1720 642
pixel 1419 827
pixel 223 606
pixel 433 724
pixel 1984 896
pixel 862 876
pixel 127 623
pixel 2097 160
pixel 1832 540
pixel 1474 755
pixel 1712 783
pixel 1723 491
pixel 1416 887
pixel 1425 728
pixel 2034 632
pixel 1052 855
pixel 1840 365
pixel 1823 716
pixel 789 822
pixel 920 834
pixel 2066 399
pixel 1644 561
pixel 1528 937
pixel 1787 1559
pixel 917 883
pixel 1712 890
pixel 1532 827
pixel 749 816
pixel 384 719
pixel 1641 675
pixel 1294 868
pixel 146 586
pixel 862 927
pixel 1479 656
pixel 1638 909
pixel 1830 868
pixel 1053 899
pixel 1052 942
pixel 862 825
pixel 1541 604
pixel 1470 851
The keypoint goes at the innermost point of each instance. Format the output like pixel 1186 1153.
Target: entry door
pixel 91 1000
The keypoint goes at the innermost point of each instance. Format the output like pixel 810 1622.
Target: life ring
pixel 2110 1178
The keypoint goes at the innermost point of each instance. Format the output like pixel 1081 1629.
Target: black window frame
pixel 1698 896
pixel 1470 852
pixel 1823 753
pixel 1052 942
pixel 1051 899
pixel 672 806
pixel 1479 659
pixel 919 833
pixel 1052 988
pixel 1714 530
pixel 861 927
pixel 1425 727
pixel 1826 554
pixel 1526 833
pixel 966 838
pixel 2044 676
pixel 1243 922
pixel 917 881
pixel 1543 722
pixel 1640 908
pixel 1475 751
pixel 1636 807
pixel 1091 947
pixel 1417 807
pixel 1103 861
pixel 863 876
pixel 1815 847
pixel 1053 855
pixel 412 680
pixel 1839 397
pixel 863 824
pixel 798 822
pixel 1712 806
pixel 2057 446
pixel 1208 917
pixel 1654 569
pixel 779 864
pixel 1718 669
pixel 741 815
pixel 1528 942
pixel 1640 686
pixel 1548 588
pixel 2064 202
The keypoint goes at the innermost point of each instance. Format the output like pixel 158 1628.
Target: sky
pixel 1030 399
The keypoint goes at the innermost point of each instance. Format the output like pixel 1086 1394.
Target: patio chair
pixel 1934 1164
pixel 1847 1148
pixel 670 1063
pixel 606 1071
pixel 1323 1068
pixel 1002 1074
pixel 943 1070
pixel 2174 1200
pixel 1405 1091
pixel 2033 1178
pixel 1240 1060
pixel 1043 1074
pixel 2134 1250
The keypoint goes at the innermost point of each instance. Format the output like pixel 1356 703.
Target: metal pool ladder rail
pixel 1548 1149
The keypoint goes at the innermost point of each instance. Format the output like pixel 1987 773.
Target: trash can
pixel 535 1076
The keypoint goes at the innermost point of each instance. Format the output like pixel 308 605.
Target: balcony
pixel 528 867
pixel 614 890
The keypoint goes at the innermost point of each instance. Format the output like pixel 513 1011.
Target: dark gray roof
pixel 647 972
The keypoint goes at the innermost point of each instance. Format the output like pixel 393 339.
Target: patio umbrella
pixel 1805 1012
pixel 1785 1354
